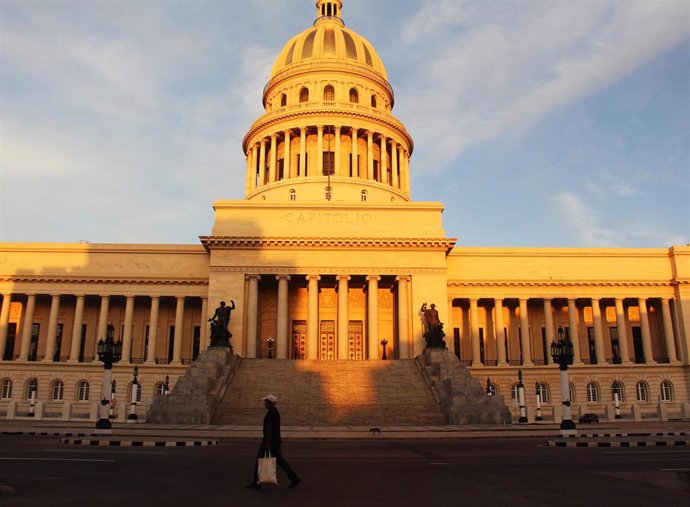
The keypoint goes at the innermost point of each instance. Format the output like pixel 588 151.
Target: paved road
pixel 472 472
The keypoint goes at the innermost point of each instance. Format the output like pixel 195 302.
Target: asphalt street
pixel 373 472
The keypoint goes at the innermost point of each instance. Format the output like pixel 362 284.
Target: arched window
pixel 617 388
pixel 666 391
pixel 57 390
pixel 571 392
pixel 129 391
pixel 514 394
pixel 592 393
pixel 491 390
pixel 304 95
pixel 159 388
pixel 83 391
pixel 373 101
pixel 31 385
pixel 354 96
pixel 364 196
pixel 293 194
pixel 329 94
pixel 6 389
pixel 283 100
pixel 641 391
pixel 543 391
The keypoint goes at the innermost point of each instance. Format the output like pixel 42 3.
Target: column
pixel 27 325
pixel 450 342
pixel 262 161
pixel 622 332
pixel 474 333
pixel 282 324
pixel 337 151
pixel 524 334
pixel 343 316
pixel 384 160
pixel 52 329
pixel 548 328
pixel 248 183
pixel 406 172
pixel 252 315
pixel 303 151
pixel 394 164
pixel 75 347
pixel 254 176
pixel 177 337
pixel 598 332
pixel 668 332
pixel 313 316
pixel 4 322
pixel 103 318
pixel 127 335
pixel 203 332
pixel 272 172
pixel 373 317
pixel 646 335
pixel 404 347
pixel 500 333
pixel 574 331
pixel 370 155
pixel 153 330
pixel 319 150
pixel 287 162
pixel 355 163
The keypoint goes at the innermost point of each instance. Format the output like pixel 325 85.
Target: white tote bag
pixel 267 469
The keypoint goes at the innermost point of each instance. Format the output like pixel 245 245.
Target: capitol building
pixel 328 259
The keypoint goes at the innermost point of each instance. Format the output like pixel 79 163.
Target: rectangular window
pixel 592 347
pixel 281 170
pixel 146 342
pixel 456 342
pixel 9 344
pixel 171 344
pixel 544 346
pixel 615 346
pixel 33 347
pixel 82 343
pixel 637 345
pixel 328 163
pixel 481 345
pixel 196 343
pixel 299 164
pixel 507 345
pixel 58 343
pixel 376 170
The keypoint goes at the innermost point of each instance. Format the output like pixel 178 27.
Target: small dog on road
pixel 375 431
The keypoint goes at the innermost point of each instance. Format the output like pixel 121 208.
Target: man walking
pixel 271 443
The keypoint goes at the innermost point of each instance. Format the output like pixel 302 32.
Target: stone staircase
pixel 322 393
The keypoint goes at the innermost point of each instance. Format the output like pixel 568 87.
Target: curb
pixel 138 443
pixel 636 443
pixel 44 434
pixel 626 435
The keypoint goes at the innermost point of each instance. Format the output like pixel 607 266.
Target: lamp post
pixel 538 392
pixel 489 391
pixel 562 354
pixel 132 417
pixel 384 342
pixel 270 342
pixel 521 399
pixel 113 401
pixel 33 388
pixel 109 351
pixel 617 401
pixel 166 385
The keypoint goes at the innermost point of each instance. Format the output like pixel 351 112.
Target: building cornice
pixel 101 280
pixel 254 243
pixel 562 283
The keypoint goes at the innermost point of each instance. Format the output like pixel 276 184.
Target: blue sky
pixel 536 123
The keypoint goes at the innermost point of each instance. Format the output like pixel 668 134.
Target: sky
pixel 537 123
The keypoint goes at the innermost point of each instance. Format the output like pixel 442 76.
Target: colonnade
pixel 568 315
pixel 393 161
pixel 75 352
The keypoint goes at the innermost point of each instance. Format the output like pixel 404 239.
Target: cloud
pixel 434 16
pixel 606 183
pixel 583 222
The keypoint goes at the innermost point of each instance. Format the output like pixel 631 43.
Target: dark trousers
pixel 280 461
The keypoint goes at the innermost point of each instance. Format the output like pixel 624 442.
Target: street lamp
pixel 489 391
pixel 110 352
pixel 521 399
pixel 538 392
pixel 384 342
pixel 562 354
pixel 132 417
pixel 166 385
pixel 270 342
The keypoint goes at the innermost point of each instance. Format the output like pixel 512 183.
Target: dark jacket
pixel 271 438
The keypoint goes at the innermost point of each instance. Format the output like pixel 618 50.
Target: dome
pixel 328 39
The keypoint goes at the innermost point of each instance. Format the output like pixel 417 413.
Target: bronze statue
pixel 433 327
pixel 220 336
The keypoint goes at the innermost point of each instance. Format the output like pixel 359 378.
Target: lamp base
pixel 104 424
pixel 568 424
pixel 522 420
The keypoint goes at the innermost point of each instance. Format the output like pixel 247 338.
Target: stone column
pixel 287 161
pixel 4 322
pixel 127 336
pixel 337 167
pixel 177 337
pixel 384 159
pixel 574 331
pixel 500 333
pixel 668 332
pixel 524 334
pixel 355 164
pixel 474 333
pixel 153 330
pixel 27 325
pixel 102 324
pixel 407 174
pixel 622 332
pixel 204 325
pixel 370 155
pixel 313 316
pixel 248 179
pixel 75 347
pixel 394 164
pixel 373 317
pixel 319 150
pixel 343 316
pixel 548 327
pixel 262 161
pixel 404 347
pixel 272 171
pixel 252 315
pixel 303 151
pixel 255 178
pixel 646 335
pixel 282 323
pixel 598 332
pixel 52 329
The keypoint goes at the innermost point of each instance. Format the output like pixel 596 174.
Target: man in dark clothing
pixel 271 442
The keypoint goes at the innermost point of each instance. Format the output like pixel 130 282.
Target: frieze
pixel 117 281
pixel 237 242
pixel 564 283
pixel 332 270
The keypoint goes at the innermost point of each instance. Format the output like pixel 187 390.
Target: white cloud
pixel 583 222
pixel 606 183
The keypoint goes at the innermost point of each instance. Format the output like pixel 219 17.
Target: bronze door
pixel 299 339
pixel 327 340
pixel 355 339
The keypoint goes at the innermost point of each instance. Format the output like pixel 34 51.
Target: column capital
pixel 283 277
pixel 343 277
pixel 371 278
pixel 155 297
pixel 252 277
pixel 55 295
pixel 130 297
pixel 313 277
pixel 180 297
pixel 547 299
pixel 403 278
